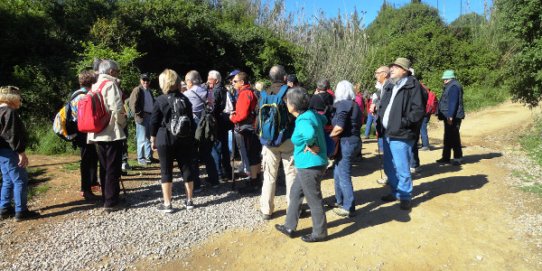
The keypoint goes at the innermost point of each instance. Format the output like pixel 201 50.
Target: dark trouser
pixel 181 151
pixel 205 149
pixel 415 156
pixel 307 183
pixel 89 166
pixel 221 154
pixel 125 146
pixel 110 156
pixel 452 140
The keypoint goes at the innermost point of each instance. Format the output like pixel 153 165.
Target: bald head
pixel 277 74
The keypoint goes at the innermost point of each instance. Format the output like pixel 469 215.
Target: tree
pixel 520 25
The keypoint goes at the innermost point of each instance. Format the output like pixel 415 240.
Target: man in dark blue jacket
pixel 451 111
pixel 400 114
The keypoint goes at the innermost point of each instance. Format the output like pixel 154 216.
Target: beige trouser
pixel 271 157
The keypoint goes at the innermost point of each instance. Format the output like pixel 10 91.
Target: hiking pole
pixel 232 159
pixel 122 185
pixel 379 157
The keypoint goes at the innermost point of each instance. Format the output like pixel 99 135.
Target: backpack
pixel 179 125
pixel 64 124
pixel 206 129
pixel 432 102
pixel 273 118
pixel 92 116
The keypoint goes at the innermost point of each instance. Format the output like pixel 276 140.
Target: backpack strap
pixel 282 92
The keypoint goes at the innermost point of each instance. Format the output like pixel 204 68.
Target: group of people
pixel 312 127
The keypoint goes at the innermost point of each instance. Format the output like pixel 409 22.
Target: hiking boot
pixel 189 204
pixel 89 196
pixel 6 213
pixel 457 162
pixel 311 239
pixel 382 181
pixel 443 161
pixel 125 166
pixel 284 230
pixel 424 148
pixel 165 208
pixel 266 217
pixel 143 162
pixel 342 212
pixel 388 198
pixel 152 160
pixel 26 215
pixel 405 205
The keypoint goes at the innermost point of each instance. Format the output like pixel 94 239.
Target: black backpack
pixel 206 129
pixel 179 124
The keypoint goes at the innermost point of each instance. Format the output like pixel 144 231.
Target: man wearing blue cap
pixel 451 111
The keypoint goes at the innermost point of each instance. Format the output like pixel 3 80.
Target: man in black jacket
pixel 400 114
pixel 220 151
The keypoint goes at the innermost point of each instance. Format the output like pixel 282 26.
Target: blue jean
pixel 396 166
pixel 143 136
pixel 221 155
pixel 344 191
pixel 14 180
pixel 368 125
pixel 423 131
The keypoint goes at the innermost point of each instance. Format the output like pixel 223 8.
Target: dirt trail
pixel 461 218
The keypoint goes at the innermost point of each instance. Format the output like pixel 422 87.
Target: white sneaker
pixel 383 181
pixel 189 204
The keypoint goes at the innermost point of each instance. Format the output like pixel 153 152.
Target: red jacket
pixel 246 103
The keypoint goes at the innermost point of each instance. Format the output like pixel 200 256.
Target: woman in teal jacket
pixel 310 161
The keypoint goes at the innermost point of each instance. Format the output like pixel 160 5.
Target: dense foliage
pixel 520 26
pixel 44 43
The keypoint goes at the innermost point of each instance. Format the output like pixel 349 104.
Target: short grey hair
pixel 194 77
pixel 344 91
pixel 298 98
pixel 107 65
pixel 277 74
pixel 322 84
pixel 215 74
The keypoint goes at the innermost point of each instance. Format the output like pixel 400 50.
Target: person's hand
pixel 314 149
pixel 23 160
pixel 449 121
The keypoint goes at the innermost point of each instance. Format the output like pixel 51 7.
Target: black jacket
pixel 443 109
pixel 161 114
pixel 222 119
pixel 13 134
pixel 406 113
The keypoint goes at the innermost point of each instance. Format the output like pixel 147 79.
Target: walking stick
pixel 122 185
pixel 232 159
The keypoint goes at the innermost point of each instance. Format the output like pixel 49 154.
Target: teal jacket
pixel 309 130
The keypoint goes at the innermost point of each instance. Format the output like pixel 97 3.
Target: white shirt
pixel 400 83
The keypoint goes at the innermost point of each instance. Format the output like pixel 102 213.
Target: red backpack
pixel 432 103
pixel 92 116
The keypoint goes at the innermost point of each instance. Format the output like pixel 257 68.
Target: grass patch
pixel 537 189
pixel 37 182
pixel 476 98
pixel 71 166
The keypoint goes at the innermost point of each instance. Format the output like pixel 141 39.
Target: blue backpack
pixel 273 118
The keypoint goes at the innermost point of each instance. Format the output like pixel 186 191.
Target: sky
pixel 449 9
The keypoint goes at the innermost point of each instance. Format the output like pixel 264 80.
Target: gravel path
pixel 94 240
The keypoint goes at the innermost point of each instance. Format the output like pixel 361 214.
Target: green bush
pixel 42 140
pixel 476 98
